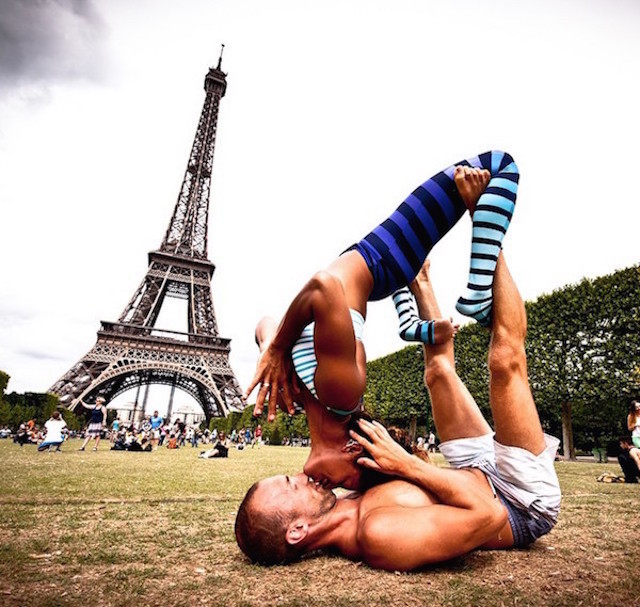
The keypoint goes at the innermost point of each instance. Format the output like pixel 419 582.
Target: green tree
pixel 299 426
pixel 395 392
pixel 471 350
pixel 273 433
pixel 5 408
pixel 583 349
pixel 5 414
pixel 19 414
pixel 73 422
pixel 4 381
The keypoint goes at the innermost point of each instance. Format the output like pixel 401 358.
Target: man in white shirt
pixel 54 428
pixel 431 445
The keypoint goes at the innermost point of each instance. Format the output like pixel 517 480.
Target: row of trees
pixel 18 408
pixel 583 348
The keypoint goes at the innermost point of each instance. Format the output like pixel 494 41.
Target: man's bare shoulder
pixel 398 493
pixel 402 526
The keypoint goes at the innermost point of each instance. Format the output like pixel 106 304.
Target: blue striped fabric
pixel 303 352
pixel 412 328
pixel 491 219
pixel 396 249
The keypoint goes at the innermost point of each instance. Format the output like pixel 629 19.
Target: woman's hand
pixel 388 456
pixel 274 375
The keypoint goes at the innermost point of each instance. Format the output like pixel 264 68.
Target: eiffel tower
pixel 132 352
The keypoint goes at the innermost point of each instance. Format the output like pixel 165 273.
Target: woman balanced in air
pixel 320 335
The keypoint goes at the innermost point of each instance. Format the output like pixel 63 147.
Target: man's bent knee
pixel 437 370
pixel 506 359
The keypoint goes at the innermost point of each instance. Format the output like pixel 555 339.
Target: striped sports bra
pixel 304 357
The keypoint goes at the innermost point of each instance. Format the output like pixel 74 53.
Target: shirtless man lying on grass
pixel 498 493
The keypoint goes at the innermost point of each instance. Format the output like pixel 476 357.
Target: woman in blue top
pixel 97 422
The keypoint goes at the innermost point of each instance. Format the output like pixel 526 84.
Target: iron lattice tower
pixel 132 351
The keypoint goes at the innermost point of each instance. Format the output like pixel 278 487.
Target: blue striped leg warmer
pixel 412 328
pixel 395 250
pixel 490 223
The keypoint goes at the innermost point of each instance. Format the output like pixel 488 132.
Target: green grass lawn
pixel 114 528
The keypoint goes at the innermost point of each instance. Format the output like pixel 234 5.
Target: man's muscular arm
pixel 402 538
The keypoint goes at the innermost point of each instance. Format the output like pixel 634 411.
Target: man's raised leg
pixel 514 411
pixel 455 412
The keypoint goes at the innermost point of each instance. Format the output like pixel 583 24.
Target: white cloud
pixel 50 41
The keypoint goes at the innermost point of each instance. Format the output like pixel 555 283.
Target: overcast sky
pixel 334 112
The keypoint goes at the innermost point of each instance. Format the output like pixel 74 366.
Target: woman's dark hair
pixel 370 477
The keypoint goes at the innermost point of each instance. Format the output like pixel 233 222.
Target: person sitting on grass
pixel 629 460
pixel 22 435
pixel 130 435
pixel 140 442
pixel 497 494
pixel 219 449
pixel 633 422
pixel 120 443
pixel 54 426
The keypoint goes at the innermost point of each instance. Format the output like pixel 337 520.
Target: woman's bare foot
pixel 471 183
pixel 265 331
pixel 444 329
pixel 421 287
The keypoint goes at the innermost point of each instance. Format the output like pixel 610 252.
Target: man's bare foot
pixel 471 183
